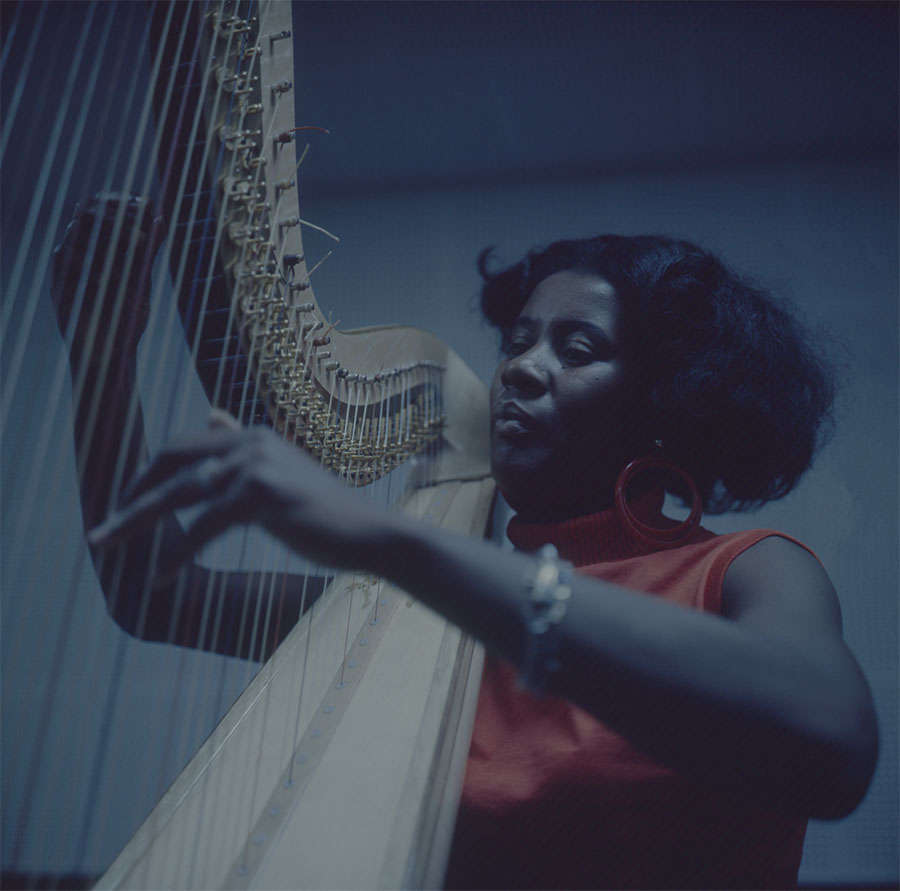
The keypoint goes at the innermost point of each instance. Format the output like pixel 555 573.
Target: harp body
pixel 339 766
pixel 367 798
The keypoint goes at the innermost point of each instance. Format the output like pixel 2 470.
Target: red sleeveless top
pixel 554 799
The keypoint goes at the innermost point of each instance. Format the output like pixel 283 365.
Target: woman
pixel 692 702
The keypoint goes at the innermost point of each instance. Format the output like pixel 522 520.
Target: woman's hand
pixel 111 242
pixel 243 475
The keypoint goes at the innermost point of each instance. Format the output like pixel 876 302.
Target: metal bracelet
pixel 548 599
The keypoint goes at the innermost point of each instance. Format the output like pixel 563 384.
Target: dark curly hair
pixel 737 389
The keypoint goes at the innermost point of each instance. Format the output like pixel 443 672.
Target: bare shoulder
pixel 778 585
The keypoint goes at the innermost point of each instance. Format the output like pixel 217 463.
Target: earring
pixel 650 535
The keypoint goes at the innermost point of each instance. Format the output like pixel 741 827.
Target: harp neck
pixel 363 402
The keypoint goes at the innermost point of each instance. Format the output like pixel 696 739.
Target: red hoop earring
pixel 650 535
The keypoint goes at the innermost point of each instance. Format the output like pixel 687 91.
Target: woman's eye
pixel 577 353
pixel 517 347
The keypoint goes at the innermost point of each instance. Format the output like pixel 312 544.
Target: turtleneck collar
pixel 594 538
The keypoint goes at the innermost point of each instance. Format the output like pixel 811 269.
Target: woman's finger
pixel 219 419
pixel 180 456
pixel 186 488
pixel 214 442
pixel 220 515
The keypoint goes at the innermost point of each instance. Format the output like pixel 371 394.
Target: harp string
pixel 262 575
pixel 10 36
pixel 34 498
pixel 260 623
pixel 60 649
pixel 101 759
pixel 209 215
pixel 18 272
pixel 177 405
pixel 113 761
pixel 37 465
pixel 24 71
pixel 212 579
pixel 116 762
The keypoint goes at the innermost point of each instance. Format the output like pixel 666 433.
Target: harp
pixel 339 763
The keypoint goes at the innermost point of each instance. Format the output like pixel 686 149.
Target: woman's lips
pixel 511 418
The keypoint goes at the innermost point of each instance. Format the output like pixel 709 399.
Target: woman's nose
pixel 525 372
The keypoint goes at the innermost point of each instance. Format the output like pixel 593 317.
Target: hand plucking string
pixel 239 475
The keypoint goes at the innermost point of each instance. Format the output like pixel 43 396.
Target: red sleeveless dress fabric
pixel 554 799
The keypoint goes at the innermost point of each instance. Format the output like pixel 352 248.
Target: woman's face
pixel 564 419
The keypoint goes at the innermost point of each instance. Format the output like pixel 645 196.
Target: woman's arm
pixel 109 437
pixel 766 701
